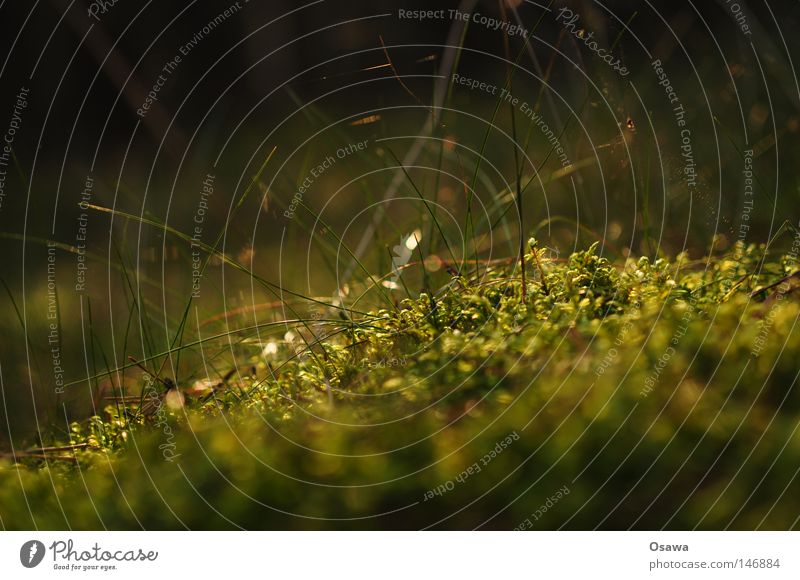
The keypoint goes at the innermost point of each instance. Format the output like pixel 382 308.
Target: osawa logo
pixel 31 553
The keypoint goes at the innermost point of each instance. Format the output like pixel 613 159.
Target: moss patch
pixel 655 393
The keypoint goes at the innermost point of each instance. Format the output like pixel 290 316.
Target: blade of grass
pixel 425 202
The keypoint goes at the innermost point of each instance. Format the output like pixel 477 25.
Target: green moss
pixel 658 392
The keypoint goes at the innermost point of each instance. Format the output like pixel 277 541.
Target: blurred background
pixel 205 120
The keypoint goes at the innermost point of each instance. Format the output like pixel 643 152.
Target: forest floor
pixel 630 394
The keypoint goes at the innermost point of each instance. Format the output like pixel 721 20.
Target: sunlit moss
pixel 632 374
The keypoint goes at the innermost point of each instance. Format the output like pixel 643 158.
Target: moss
pixel 636 384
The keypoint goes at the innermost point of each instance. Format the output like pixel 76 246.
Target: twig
pixel 396 74
pixel 58 448
pixel 540 268
pixel 776 284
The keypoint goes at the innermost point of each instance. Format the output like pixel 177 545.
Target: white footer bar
pixel 399 555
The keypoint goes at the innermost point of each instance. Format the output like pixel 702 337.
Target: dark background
pixel 88 83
